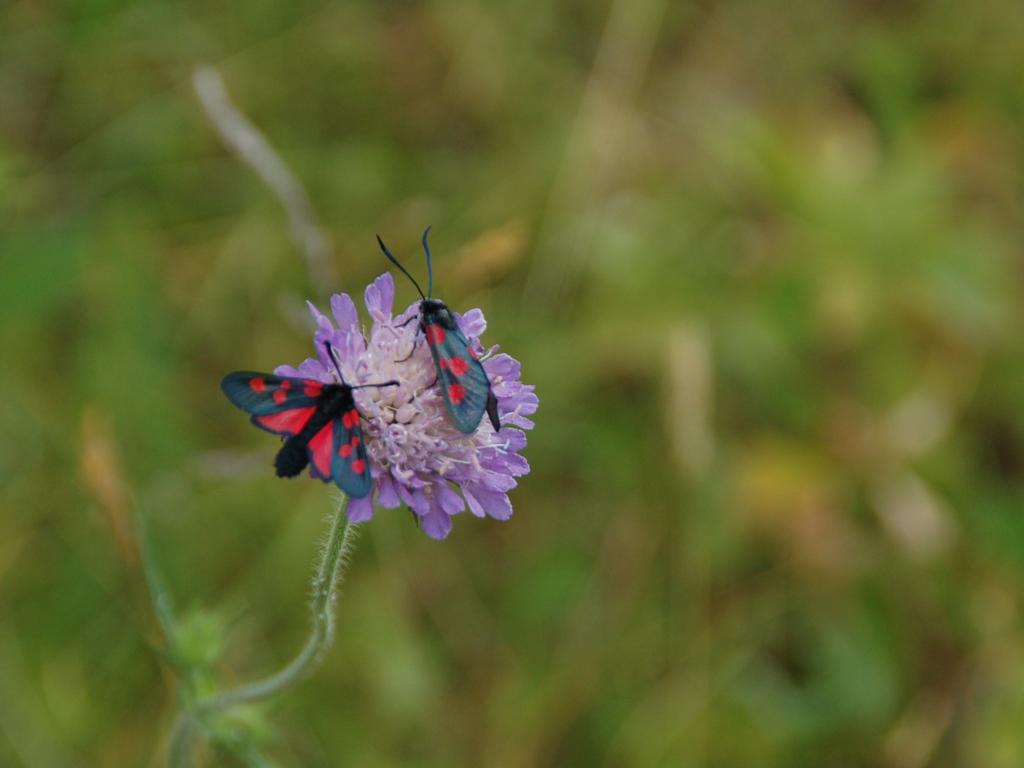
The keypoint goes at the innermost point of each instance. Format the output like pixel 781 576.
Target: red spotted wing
pixel 320 424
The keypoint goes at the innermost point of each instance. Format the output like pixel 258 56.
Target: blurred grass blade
pixel 163 604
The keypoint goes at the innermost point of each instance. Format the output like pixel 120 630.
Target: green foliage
pixel 762 261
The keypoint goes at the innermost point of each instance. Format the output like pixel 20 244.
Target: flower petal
pixel 344 311
pixel 380 297
pixel 448 500
pixel 287 370
pixel 323 323
pixel 350 345
pixel 360 510
pixel 494 481
pixel 472 323
pixel 516 465
pixel 436 524
pixel 415 499
pixel 502 367
pixel 514 440
pixel 494 503
pixel 474 505
pixel 515 420
pixel 310 368
pixel 387 496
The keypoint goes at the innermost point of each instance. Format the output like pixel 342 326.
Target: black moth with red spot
pixel 464 384
pixel 320 424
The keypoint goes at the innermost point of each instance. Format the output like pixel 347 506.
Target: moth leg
pixel 415 343
pixel 398 336
pixel 401 325
pixel 407 321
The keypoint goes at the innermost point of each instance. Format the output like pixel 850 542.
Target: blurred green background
pixel 762 261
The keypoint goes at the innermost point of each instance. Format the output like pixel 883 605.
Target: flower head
pixel 417 457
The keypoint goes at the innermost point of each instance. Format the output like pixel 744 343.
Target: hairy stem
pixel 325 588
pixel 333 557
pixel 179 751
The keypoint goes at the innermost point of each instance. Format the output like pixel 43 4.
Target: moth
pixel 319 422
pixel 464 384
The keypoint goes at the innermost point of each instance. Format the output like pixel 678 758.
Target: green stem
pixel 158 592
pixel 325 588
pixel 333 557
pixel 179 751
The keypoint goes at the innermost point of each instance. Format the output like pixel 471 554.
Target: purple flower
pixel 417 457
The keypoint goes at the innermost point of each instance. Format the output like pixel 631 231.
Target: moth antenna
pixel 391 383
pixel 330 354
pixel 394 261
pixel 430 272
